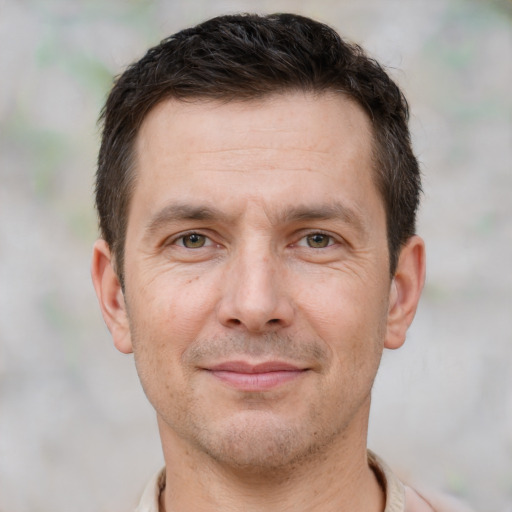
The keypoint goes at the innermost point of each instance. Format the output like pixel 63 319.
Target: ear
pixel 405 291
pixel 110 296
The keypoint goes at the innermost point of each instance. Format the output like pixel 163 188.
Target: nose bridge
pixel 257 272
pixel 255 296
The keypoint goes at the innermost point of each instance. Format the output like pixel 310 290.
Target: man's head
pixel 258 171
pixel 244 58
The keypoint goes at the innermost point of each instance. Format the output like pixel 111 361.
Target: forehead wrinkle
pixel 261 159
pixel 245 141
pixel 257 149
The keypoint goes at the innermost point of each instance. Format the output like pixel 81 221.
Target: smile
pixel 261 377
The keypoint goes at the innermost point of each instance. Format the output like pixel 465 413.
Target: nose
pixel 255 297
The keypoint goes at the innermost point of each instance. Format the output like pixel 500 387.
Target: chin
pixel 257 445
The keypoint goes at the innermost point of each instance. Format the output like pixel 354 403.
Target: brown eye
pixel 193 241
pixel 318 240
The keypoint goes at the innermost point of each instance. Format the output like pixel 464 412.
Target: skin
pixel 258 300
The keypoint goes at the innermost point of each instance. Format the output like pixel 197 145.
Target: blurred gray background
pixel 76 432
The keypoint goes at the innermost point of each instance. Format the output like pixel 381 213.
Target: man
pixel 257 195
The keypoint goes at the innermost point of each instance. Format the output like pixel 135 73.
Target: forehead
pixel 312 123
pixel 282 107
pixel 312 145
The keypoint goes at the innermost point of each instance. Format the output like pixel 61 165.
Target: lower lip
pixel 256 381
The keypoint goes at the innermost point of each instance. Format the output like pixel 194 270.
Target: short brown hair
pixel 244 57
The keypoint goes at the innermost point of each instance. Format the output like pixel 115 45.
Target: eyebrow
pixel 293 214
pixel 335 211
pixel 301 213
pixel 180 212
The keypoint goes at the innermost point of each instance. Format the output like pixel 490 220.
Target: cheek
pixel 339 302
pixel 173 309
pixel 162 329
pixel 163 322
pixel 350 318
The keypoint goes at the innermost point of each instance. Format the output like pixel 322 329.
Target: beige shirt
pixel 399 497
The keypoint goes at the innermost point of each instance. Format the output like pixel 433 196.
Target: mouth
pixel 256 377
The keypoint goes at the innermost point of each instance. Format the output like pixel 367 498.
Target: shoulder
pixel 403 498
pixel 430 501
pixel 150 496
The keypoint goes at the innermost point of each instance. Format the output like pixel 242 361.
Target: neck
pixel 339 478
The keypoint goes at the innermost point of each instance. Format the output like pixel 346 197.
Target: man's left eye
pixel 317 240
pixel 193 241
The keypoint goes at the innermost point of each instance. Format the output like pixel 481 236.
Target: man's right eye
pixel 193 241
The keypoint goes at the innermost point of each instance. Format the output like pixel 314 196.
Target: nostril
pixel 274 321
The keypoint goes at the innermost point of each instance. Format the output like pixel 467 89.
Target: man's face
pixel 257 275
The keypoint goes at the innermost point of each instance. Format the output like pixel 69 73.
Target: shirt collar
pixel 393 488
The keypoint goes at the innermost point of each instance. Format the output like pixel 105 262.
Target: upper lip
pixel 245 367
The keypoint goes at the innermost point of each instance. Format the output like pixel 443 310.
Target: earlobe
pixel 110 296
pixel 405 291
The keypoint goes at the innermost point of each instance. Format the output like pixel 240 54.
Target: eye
pixel 317 240
pixel 193 241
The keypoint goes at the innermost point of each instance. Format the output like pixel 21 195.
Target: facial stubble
pixel 254 438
